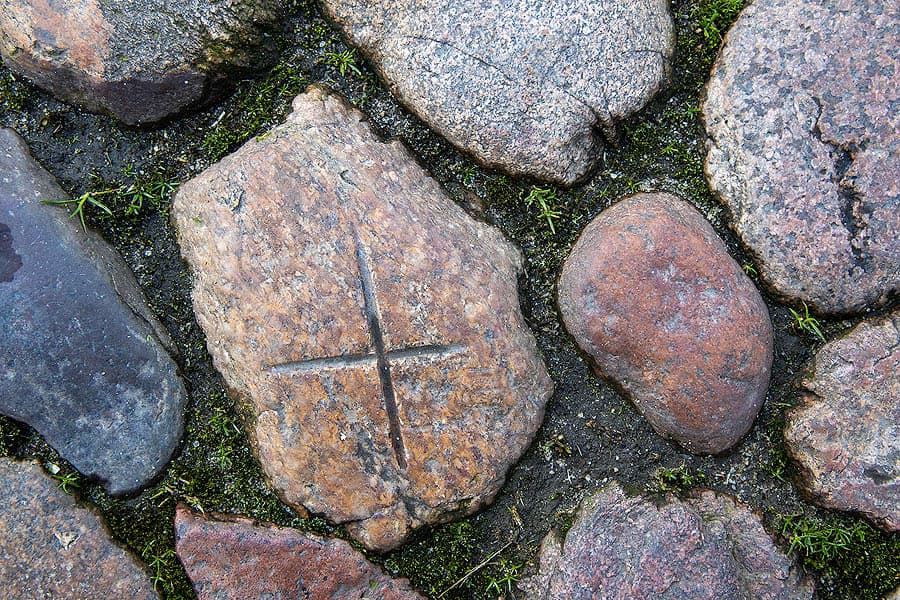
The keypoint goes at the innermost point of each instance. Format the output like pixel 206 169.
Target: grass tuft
pixel 678 479
pixel 342 61
pixel 714 17
pixel 804 322
pixel 545 200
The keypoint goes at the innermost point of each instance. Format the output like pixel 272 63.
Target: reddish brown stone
pixel 368 327
pixel 706 547
pixel 846 434
pixel 651 294
pixel 232 557
pixel 804 146
pixel 138 61
pixel 52 548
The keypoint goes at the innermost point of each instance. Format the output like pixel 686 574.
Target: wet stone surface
pixel 527 86
pixel 369 328
pixel 231 557
pixel 705 547
pixel 804 147
pixel 846 434
pixel 651 294
pixel 52 548
pixel 82 359
pixel 138 62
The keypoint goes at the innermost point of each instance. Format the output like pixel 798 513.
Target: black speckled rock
pixel 51 549
pixel 81 356
pixel 138 61
pixel 525 85
pixel 627 548
pixel 803 117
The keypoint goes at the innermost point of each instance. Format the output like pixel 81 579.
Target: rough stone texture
pixel 846 434
pixel 231 557
pixel 81 356
pixel 137 61
pixel 651 294
pixel 803 117
pixel 50 548
pixel 895 595
pixel 369 328
pixel 527 85
pixel 706 547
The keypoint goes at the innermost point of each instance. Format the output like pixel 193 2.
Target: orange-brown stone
pixel 651 294
pixel 369 327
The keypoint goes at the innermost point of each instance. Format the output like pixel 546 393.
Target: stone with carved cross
pixel 369 328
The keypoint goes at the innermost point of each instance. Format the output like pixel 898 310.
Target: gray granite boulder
pixel 82 359
pixel 708 547
pixel 846 434
pixel 529 86
pixel 650 292
pixel 50 548
pixel 368 328
pixel 233 557
pixel 137 61
pixel 804 147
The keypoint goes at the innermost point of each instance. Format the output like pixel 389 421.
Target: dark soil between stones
pixel 591 433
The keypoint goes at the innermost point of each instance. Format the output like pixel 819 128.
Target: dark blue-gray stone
pixel 82 358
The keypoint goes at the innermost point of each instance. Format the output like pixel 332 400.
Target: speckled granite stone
pixel 135 60
pixel 368 327
pixel 82 358
pixel 803 117
pixel 651 294
pixel 52 549
pixel 232 557
pixel 627 548
pixel 846 434
pixel 528 86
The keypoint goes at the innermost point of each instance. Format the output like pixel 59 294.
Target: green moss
pixel 851 558
pixel 14 93
pixel 257 105
pixel 11 437
pixel 439 562
pixel 452 564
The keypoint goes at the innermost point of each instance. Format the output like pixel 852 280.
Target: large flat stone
pixel 135 60
pixel 82 358
pixel 232 557
pixel 804 147
pixel 369 329
pixel 50 548
pixel 651 294
pixel 529 86
pixel 708 547
pixel 846 433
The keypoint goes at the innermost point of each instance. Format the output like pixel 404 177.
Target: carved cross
pixel 381 357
